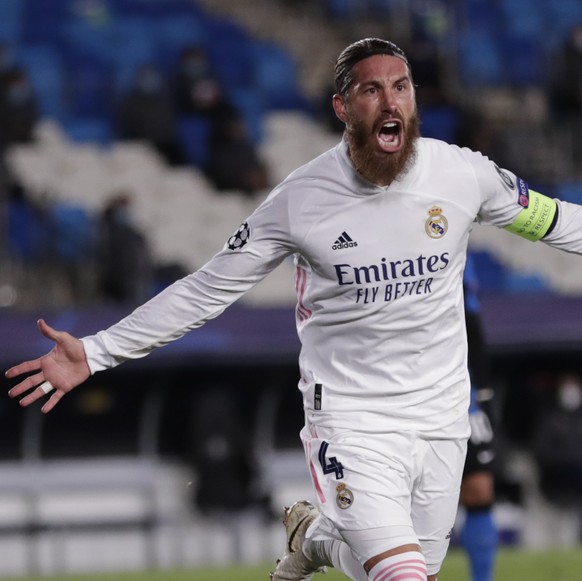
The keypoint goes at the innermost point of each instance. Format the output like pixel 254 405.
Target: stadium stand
pixel 274 63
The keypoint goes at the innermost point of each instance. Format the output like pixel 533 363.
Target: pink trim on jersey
pixel 409 570
pixel 300 283
pixel 316 483
pixel 318 488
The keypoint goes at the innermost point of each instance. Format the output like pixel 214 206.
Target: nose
pixel 388 100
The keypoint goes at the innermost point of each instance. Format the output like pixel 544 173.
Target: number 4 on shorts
pixel 330 465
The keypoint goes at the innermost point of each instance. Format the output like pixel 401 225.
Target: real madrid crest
pixel 436 224
pixel 344 497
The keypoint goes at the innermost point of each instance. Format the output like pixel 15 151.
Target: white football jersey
pixel 379 285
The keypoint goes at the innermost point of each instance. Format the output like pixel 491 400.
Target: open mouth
pixel 389 136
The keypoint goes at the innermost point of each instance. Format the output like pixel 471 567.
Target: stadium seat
pixel 523 18
pixel 490 272
pixel 11 20
pixel 230 53
pixel 173 33
pixel 250 103
pixel 27 232
pixel 42 20
pixel 570 192
pixel 72 233
pixel 194 133
pixel 89 130
pixel 45 67
pixel 344 10
pixel 523 61
pixel 90 89
pixel 480 61
pixel 80 38
pixel 276 77
pixel 521 283
pixel 561 15
pixel 440 123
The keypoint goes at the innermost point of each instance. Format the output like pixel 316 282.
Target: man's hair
pixel 358 51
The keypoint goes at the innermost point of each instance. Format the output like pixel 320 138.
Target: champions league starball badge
pixel 436 224
pixel 240 237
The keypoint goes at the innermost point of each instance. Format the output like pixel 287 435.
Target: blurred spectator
pixel 566 90
pixel 124 262
pixel 234 163
pixel 198 91
pixel 556 442
pixel 429 72
pixel 566 93
pixel 19 112
pixel 147 112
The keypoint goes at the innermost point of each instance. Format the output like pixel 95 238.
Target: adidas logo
pixel 344 241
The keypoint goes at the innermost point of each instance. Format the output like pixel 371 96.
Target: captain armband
pixel 537 218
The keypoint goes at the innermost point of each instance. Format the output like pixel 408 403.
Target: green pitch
pixel 511 566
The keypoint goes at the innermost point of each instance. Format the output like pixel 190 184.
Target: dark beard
pixel 380 168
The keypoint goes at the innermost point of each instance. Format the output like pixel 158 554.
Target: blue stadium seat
pixel 80 38
pixel 250 103
pixel 194 132
pixel 89 130
pixel 570 192
pixel 90 89
pixel 276 77
pixel 490 272
pixel 480 60
pixel 344 10
pixel 523 61
pixel 11 20
pixel 523 18
pixel 440 123
pixel 43 20
pixel 72 233
pixel 482 16
pixel 45 67
pixel 520 283
pixel 562 14
pixel 27 232
pixel 230 52
pixel 173 33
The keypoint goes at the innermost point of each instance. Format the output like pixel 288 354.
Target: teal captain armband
pixel 536 219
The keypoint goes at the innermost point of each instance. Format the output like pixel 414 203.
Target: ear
pixel 339 106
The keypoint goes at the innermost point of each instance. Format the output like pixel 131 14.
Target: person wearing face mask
pixel 565 95
pixel 197 90
pixel 378 227
pixel 124 261
pixel 147 113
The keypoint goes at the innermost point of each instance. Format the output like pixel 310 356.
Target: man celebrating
pixel 379 227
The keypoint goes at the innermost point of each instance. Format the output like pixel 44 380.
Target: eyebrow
pixel 377 83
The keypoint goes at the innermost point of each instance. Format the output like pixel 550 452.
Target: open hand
pixel 62 369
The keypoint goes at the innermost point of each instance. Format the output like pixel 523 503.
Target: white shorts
pixel 378 492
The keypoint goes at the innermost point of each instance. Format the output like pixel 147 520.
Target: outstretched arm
pixel 63 368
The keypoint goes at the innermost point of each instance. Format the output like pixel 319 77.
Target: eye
pixel 370 90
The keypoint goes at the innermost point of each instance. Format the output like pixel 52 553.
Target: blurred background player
pixel 479 535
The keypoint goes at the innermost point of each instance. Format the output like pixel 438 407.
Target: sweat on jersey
pixel 379 283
